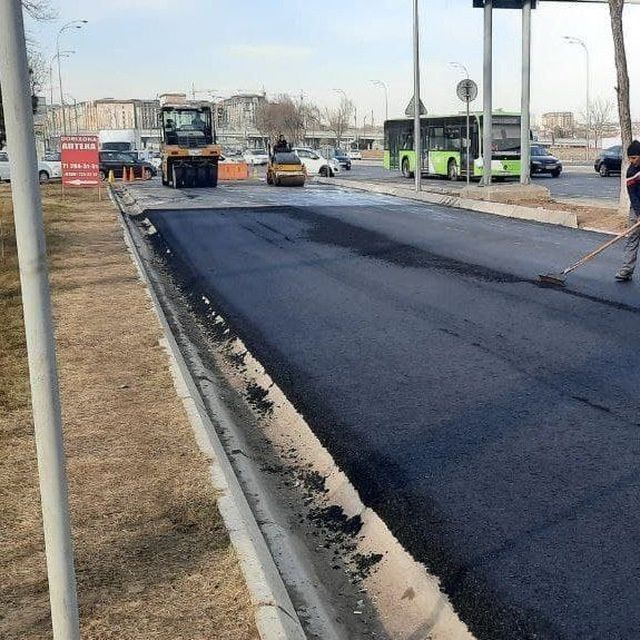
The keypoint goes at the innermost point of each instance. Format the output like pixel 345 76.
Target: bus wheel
pixel 452 170
pixel 405 168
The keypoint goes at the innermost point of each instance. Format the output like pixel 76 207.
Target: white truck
pixel 117 140
pixel 47 170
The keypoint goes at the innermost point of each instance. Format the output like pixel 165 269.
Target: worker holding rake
pixel 633 189
pixel 632 233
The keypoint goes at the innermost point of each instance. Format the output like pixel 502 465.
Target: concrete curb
pixel 275 616
pixel 548 216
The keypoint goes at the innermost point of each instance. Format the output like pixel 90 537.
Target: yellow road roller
pixel 285 169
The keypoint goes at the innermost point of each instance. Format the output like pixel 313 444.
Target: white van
pixel 315 164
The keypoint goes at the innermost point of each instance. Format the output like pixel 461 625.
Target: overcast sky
pixel 141 48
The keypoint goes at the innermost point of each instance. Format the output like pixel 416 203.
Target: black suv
pixel 543 162
pixel 609 161
pixel 117 160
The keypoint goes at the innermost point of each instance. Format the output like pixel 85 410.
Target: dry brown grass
pixel 153 559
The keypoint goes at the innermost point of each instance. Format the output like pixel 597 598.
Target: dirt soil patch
pixel 592 217
pixel 153 558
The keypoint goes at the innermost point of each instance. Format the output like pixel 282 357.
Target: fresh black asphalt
pixel 492 423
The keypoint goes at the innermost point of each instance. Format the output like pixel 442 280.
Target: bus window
pixel 436 138
pixel 506 136
pixel 452 139
pixel 406 141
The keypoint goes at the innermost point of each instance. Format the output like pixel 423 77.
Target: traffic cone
pixel 132 176
pixel 125 176
pixel 111 177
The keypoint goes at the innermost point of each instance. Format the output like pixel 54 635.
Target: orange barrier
pixel 233 171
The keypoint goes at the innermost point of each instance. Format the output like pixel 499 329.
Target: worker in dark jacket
pixel 633 189
pixel 281 145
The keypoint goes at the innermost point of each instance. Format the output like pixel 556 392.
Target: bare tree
pixel 282 116
pixel 311 116
pixel 601 112
pixel 616 8
pixel 40 10
pixel 338 119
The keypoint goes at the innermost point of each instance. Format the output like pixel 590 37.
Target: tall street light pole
pixel 38 321
pixel 581 43
pixel 417 137
pixel 344 95
pixel 487 94
pixel 74 24
pixel 56 56
pixel 75 109
pixel 525 105
pixel 379 83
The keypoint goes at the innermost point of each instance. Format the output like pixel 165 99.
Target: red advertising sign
pixel 80 160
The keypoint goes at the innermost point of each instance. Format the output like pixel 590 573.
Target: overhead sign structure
pixel 504 4
pixel 411 107
pixel 80 161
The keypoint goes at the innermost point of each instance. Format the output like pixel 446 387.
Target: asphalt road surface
pixel 575 182
pixel 494 424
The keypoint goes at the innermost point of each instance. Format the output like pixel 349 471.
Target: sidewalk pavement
pixel 569 212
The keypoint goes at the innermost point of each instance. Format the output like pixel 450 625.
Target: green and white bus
pixel 444 145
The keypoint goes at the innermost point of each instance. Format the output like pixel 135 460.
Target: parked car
pixel 343 158
pixel 151 156
pixel 609 161
pixel 355 154
pixel 116 160
pixel 256 156
pixel 47 170
pixel 543 162
pixel 315 164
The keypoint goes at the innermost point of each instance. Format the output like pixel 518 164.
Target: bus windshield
pixel 506 136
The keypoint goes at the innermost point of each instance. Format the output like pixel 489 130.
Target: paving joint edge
pixel 275 616
pixel 548 216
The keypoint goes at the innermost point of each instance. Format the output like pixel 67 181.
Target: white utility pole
pixel 417 137
pixel 487 95
pixel 525 109
pixel 36 304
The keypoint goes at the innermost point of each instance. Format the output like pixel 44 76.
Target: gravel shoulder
pixel 153 558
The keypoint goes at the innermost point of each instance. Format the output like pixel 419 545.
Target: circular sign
pixel 467 90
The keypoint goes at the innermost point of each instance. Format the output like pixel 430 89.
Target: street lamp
pixel 355 114
pixel 61 54
pixel 74 24
pixel 379 83
pixel 581 43
pixel 459 65
pixel 75 109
